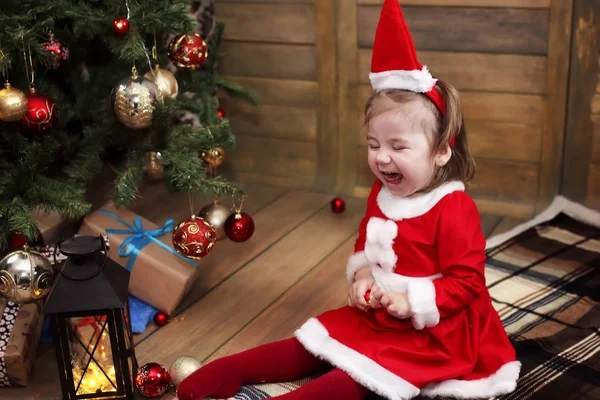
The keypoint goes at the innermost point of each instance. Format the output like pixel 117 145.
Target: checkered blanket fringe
pixel 544 278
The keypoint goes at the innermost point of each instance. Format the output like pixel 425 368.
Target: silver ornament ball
pixel 216 214
pixel 26 276
pixel 183 367
pixel 134 101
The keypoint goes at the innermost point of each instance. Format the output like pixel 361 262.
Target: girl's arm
pixel 461 255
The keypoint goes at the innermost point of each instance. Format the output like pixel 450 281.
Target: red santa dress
pixel 432 248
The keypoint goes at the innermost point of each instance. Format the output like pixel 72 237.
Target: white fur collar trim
pixel 399 208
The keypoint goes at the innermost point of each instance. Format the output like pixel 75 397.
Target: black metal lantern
pixel 90 315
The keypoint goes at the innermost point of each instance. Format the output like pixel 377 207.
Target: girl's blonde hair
pixel 461 165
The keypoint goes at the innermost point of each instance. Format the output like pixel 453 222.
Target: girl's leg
pixel 332 386
pixel 281 361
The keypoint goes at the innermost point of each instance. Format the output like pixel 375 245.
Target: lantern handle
pixel 55 265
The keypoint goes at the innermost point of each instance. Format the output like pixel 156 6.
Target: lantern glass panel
pixel 91 353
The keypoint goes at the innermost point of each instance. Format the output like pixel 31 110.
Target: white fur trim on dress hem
pixel 415 80
pixel 355 262
pixel 398 208
pixel 560 204
pixel 315 338
pixel 421 296
pixel 501 382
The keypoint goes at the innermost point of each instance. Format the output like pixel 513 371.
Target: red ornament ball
pixel 188 51
pixel 152 380
pixel 59 50
pixel 121 26
pixel 42 113
pixel 17 240
pixel 221 113
pixel 239 227
pixel 194 237
pixel 338 205
pixel 161 319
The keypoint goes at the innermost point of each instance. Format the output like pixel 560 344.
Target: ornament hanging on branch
pixel 239 226
pixel 221 113
pixel 216 214
pixel 13 103
pixel 194 237
pixel 42 112
pixel 164 79
pixel 121 26
pixel 214 157
pixel 134 101
pixel 153 166
pixel 188 51
pixel 60 52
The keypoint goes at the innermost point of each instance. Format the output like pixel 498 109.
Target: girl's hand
pixel 396 303
pixel 356 292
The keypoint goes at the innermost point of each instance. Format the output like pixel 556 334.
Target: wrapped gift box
pixel 50 225
pixel 19 339
pixel 159 275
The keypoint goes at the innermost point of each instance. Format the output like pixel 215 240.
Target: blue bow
pixel 140 238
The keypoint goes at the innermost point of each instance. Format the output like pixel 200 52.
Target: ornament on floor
pixel 183 367
pixel 338 205
pixel 59 50
pixel 26 276
pixel 161 318
pixel 239 226
pixel 134 100
pixel 42 112
pixel 153 166
pixel 188 51
pixel 152 380
pixel 13 103
pixel 121 26
pixel 194 237
pixel 214 157
pixel 164 79
pixel 216 214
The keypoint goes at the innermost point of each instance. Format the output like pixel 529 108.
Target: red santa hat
pixel 394 64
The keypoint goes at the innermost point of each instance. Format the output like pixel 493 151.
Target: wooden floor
pixel 248 293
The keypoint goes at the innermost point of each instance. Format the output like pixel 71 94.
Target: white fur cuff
pixel 355 262
pixel 419 81
pixel 421 295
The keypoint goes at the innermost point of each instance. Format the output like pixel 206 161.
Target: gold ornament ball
pixel 26 276
pixel 153 166
pixel 13 104
pixel 165 81
pixel 134 100
pixel 216 214
pixel 183 367
pixel 214 157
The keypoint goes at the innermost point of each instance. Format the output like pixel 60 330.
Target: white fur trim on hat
pixel 413 80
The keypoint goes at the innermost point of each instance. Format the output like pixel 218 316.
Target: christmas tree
pixel 86 78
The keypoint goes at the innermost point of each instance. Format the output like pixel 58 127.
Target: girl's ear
pixel 442 156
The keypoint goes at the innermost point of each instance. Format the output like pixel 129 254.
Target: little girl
pixel 420 319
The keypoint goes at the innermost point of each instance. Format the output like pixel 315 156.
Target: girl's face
pixel 400 150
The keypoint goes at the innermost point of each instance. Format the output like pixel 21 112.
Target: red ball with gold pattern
pixel 42 113
pixel 152 380
pixel 188 51
pixel 194 237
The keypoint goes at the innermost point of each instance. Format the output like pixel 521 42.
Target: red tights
pixel 280 361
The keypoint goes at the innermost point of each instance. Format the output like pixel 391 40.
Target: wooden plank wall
pixel 309 60
pixel 273 47
pixel 581 173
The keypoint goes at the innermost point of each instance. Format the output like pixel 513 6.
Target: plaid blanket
pixel 544 278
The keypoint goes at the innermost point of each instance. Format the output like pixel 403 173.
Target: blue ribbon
pixel 140 238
